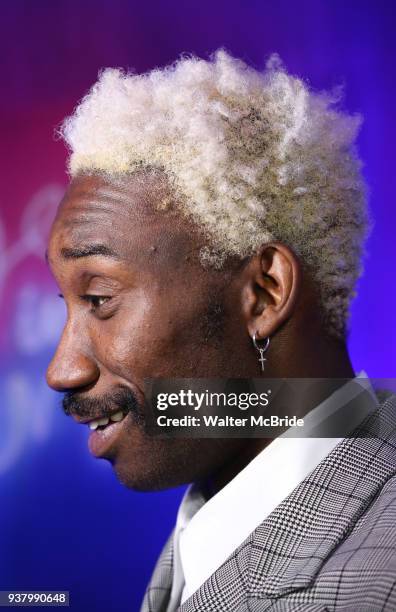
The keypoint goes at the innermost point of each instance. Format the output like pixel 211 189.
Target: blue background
pixel 65 522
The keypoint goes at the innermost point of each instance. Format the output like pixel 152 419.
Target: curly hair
pixel 254 156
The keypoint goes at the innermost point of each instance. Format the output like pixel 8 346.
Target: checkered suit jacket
pixel 330 545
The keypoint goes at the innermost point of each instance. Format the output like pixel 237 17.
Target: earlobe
pixel 273 284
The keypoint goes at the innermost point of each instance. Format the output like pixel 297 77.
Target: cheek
pixel 159 335
pixel 145 338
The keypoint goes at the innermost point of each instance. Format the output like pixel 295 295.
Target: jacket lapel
pixel 158 590
pixel 290 546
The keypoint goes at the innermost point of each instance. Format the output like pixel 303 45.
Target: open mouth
pixel 103 422
pixel 106 433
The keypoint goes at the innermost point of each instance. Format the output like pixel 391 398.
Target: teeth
pixel 118 416
pixel 98 422
pixel 103 421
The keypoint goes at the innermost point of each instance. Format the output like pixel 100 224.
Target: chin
pixel 144 478
pixel 151 464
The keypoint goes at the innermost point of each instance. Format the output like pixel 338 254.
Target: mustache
pixel 74 403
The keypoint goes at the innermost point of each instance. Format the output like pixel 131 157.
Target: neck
pixel 312 357
pixel 315 356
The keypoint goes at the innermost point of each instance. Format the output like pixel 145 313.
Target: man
pixel 215 214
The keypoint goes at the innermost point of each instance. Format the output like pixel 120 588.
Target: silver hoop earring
pixel 261 349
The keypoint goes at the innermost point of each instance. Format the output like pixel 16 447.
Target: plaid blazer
pixel 330 545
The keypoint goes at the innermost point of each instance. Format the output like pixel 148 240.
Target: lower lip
pixel 102 441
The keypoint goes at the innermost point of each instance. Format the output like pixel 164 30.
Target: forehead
pixel 124 216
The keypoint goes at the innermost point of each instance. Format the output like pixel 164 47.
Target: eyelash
pixel 91 300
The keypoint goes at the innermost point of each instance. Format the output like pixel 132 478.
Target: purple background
pixel 65 522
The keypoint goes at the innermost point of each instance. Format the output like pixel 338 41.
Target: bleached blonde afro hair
pixel 254 156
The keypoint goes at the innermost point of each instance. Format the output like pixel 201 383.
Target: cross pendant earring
pixel 262 359
pixel 261 349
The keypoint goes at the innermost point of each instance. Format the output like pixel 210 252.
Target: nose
pixel 71 367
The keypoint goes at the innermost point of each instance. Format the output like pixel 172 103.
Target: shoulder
pixel 377 526
pixel 363 566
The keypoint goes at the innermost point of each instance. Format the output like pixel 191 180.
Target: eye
pixel 96 301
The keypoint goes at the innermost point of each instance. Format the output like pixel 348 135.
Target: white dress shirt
pixel 207 533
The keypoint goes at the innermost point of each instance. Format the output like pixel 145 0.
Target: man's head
pixel 207 202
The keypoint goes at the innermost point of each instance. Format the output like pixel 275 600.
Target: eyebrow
pixel 87 250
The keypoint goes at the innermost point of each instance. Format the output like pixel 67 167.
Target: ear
pixel 272 283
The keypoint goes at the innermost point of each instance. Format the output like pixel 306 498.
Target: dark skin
pixel 159 313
